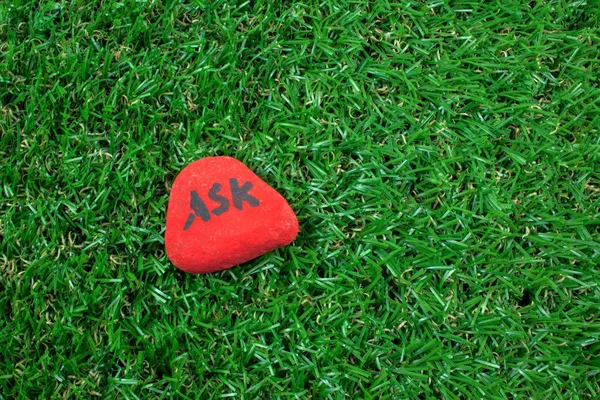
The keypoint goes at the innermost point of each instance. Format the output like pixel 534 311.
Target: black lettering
pixel 197 205
pixel 214 195
pixel 240 194
pixel 189 221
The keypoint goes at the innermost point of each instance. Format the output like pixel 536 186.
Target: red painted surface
pixel 213 241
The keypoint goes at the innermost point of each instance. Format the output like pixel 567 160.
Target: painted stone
pixel 220 214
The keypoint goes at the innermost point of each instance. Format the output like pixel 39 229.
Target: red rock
pixel 220 214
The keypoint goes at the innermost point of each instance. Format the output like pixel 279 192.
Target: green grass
pixel 443 161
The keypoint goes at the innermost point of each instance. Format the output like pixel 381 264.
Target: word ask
pixel 239 195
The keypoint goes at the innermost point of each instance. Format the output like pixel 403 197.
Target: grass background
pixel 443 160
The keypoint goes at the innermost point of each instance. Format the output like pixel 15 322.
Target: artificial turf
pixel 443 160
